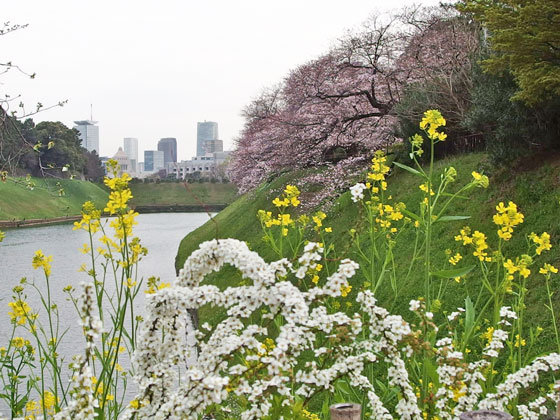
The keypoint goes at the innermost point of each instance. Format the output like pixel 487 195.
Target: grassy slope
pixel 17 202
pixel 535 190
pixel 179 193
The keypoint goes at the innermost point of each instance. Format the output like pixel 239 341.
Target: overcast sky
pixel 152 69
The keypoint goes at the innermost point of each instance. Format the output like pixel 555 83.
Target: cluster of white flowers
pixel 91 324
pixel 83 403
pixel 522 379
pixel 357 192
pixel 309 259
pixel 238 356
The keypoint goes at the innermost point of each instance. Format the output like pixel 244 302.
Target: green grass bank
pixel 182 194
pixel 534 186
pixel 17 202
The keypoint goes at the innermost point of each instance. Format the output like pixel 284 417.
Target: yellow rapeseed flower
pixel 519 341
pixel 424 187
pixel 459 392
pixel 18 342
pixel 455 259
pixel 20 310
pixel 378 168
pixel 547 268
pixel 310 416
pixel 40 260
pixel 507 218
pixel 543 242
pixel 344 290
pixel 488 334
pixel 431 122
pixel 49 402
pixel 480 180
pixel 285 202
pixel 520 265
pixel 291 191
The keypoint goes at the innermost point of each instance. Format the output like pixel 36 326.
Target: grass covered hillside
pixel 172 193
pixel 17 202
pixel 533 186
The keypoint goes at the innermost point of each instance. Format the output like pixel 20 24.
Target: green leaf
pixel 325 408
pixel 469 316
pixel 431 370
pixel 411 215
pixel 343 389
pixel 451 274
pixel 451 218
pixel 408 168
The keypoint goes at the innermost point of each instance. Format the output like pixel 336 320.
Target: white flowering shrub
pixel 242 357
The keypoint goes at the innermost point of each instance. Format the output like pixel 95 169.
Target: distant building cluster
pixel 209 160
pixel 210 155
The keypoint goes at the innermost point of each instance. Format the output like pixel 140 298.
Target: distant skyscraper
pixel 168 146
pixel 153 160
pixel 206 131
pixel 89 133
pixel 131 149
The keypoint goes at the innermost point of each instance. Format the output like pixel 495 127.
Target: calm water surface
pixel 161 233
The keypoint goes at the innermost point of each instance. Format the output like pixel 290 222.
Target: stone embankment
pixel 166 208
pixel 8 224
pixel 179 208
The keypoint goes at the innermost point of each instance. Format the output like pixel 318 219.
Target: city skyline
pixel 149 84
pixel 169 145
pixel 132 145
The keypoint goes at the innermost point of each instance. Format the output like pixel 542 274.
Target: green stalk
pixel 551 308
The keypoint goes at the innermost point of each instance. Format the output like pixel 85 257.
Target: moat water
pixel 160 233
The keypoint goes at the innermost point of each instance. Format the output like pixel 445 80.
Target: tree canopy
pixel 524 36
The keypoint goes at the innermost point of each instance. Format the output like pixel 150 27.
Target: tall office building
pixel 131 149
pixel 89 133
pixel 206 133
pixel 153 160
pixel 168 146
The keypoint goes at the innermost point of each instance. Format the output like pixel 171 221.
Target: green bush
pixel 510 128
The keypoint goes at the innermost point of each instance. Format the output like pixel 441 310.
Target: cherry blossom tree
pixel 341 105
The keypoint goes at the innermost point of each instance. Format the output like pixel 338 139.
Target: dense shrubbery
pixel 511 128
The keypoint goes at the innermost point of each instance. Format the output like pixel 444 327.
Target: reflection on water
pixel 160 233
